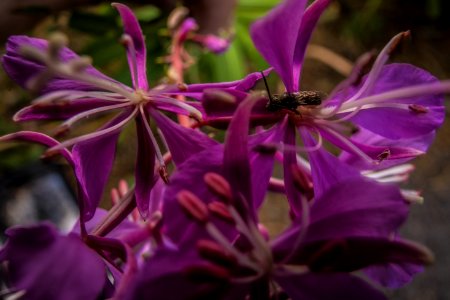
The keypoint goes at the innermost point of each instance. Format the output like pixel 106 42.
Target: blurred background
pixel 32 189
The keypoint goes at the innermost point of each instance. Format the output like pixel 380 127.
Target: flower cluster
pixel 195 233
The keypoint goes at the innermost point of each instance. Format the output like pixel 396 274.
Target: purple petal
pixel 401 151
pixel 182 142
pixel 189 176
pixel 138 57
pixel 22 69
pixel 328 287
pixel 99 215
pixel 93 162
pixel 59 111
pixel 326 170
pixel 221 102
pixel 145 168
pixel 40 138
pixel 290 160
pixel 165 277
pixel 236 155
pixel 352 254
pixel 47 265
pixel 396 123
pixel 261 162
pixel 275 36
pixel 309 21
pixel 393 275
pixel 196 90
pixel 381 155
pixel 371 209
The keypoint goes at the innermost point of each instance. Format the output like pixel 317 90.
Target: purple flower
pixel 72 90
pixel 222 252
pixel 42 264
pixel 400 103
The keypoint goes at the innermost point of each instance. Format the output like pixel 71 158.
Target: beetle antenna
pixel 267 87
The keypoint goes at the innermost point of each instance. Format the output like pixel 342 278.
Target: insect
pixel 291 101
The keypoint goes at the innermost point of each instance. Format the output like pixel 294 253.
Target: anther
pixel 207 273
pixel 221 211
pixel 384 155
pixel 193 206
pixel 397 40
pixel 182 86
pixel 57 41
pixel 215 253
pixel 80 64
pixel 412 196
pixel 265 148
pixel 301 179
pixel 219 186
pixel 176 17
pixel 419 109
pixel 164 174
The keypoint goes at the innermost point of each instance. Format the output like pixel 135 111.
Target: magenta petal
pixel 145 168
pixel 196 90
pixel 401 150
pixel 393 275
pixel 372 209
pixel 289 161
pixel 22 69
pixel 137 59
pixel 330 286
pixel 165 277
pixel 275 36
pixel 381 155
pixel 93 162
pixel 236 155
pixel 47 265
pixel 40 138
pixel 309 21
pixel 262 162
pixel 396 123
pixel 326 170
pixel 59 111
pixel 189 176
pixel 182 142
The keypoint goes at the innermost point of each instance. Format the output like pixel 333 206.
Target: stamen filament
pixel 168 100
pixel 397 170
pixel 92 135
pixel 223 241
pixel 348 143
pixel 158 153
pixel 381 60
pixel 91 112
pixel 408 92
pixel 129 44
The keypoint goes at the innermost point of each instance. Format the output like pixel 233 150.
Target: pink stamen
pixel 193 206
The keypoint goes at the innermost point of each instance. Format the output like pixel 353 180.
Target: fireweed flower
pixel 72 90
pixel 43 264
pixel 223 253
pixel 399 102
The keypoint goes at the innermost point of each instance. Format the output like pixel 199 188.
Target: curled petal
pixel 182 142
pixel 93 162
pixel 275 36
pixel 145 168
pixel 22 69
pixel 137 52
pixel 335 286
pixel 404 117
pixel 38 255
pixel 309 21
